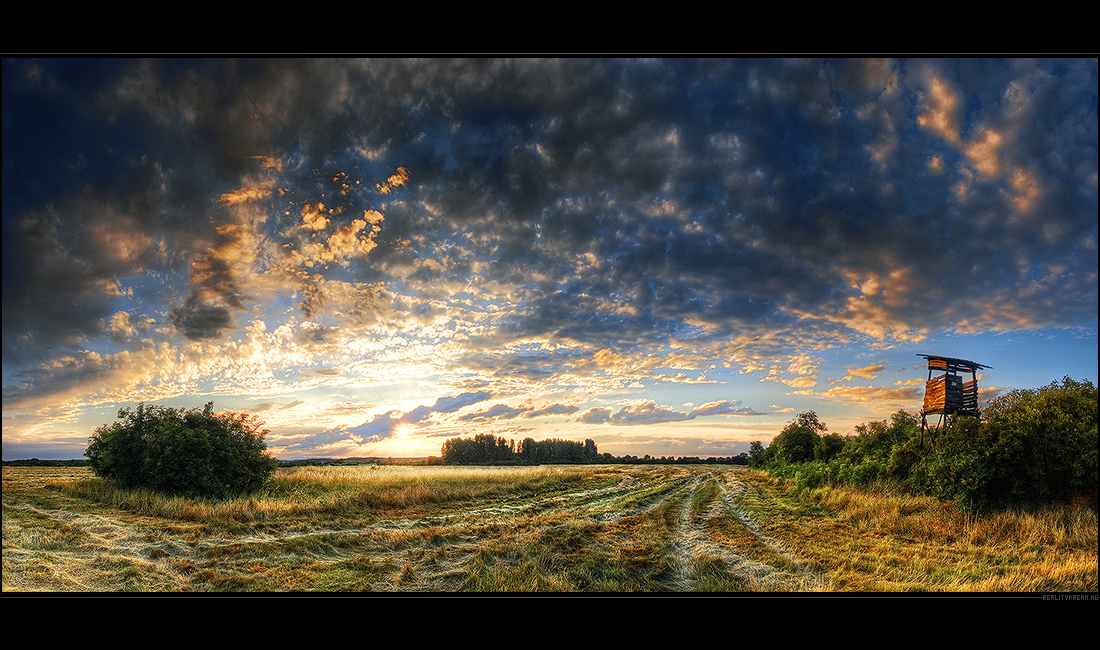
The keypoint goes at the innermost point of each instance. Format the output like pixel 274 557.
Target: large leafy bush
pixel 1031 447
pixel 182 452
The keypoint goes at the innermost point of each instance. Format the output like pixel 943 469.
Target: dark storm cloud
pixel 196 319
pixel 615 204
pixel 58 377
pixel 52 296
pixel 94 182
pixel 723 190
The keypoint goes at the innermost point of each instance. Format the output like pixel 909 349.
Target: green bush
pixel 780 469
pixel 958 469
pixel 867 472
pixel 828 446
pixel 1031 447
pixel 759 455
pixel 810 475
pixel 182 452
pixel 839 471
pixel 903 457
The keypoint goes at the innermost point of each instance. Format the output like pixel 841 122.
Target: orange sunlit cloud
pixel 983 153
pixel 941 111
pixel 376 262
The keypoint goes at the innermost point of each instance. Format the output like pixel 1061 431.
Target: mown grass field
pixel 608 528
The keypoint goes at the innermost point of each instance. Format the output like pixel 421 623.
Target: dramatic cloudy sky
pixel 671 257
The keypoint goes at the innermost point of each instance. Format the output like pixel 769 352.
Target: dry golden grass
pixel 560 529
pixel 886 541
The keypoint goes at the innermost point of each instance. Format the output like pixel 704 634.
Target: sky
pixel 672 257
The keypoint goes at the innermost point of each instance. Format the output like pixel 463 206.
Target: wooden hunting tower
pixel 945 393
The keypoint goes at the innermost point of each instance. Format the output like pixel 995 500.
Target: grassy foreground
pixel 608 528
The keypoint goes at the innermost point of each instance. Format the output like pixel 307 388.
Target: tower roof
pixel 952 363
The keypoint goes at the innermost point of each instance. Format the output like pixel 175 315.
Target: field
pixel 606 528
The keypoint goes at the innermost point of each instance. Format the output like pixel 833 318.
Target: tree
pixel 1052 434
pixel 758 454
pixel 828 446
pixel 486 448
pixel 591 454
pixel 528 451
pixel 182 452
pixel 796 443
pixel 1030 447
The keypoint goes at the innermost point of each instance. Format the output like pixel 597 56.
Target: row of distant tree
pixel 35 462
pixel 487 449
pixel 543 452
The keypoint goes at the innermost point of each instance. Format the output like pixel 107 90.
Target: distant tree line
pixel 487 449
pixel 34 462
pixel 358 460
pixel 1027 448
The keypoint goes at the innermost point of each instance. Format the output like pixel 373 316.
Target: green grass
pixel 647 529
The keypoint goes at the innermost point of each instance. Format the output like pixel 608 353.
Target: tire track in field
pixel 125 540
pixel 594 498
pixel 667 497
pixel 655 492
pixel 96 547
pixel 647 496
pixel 803 578
pixel 688 541
pixel 692 549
